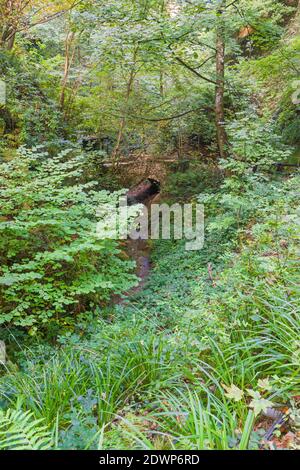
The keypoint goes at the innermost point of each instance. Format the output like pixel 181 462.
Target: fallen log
pixel 107 164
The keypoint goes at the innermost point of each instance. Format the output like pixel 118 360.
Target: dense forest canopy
pixel 97 63
pixel 121 344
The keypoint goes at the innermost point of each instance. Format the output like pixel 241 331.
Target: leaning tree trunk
pixel 11 42
pixel 220 86
pixel 7 39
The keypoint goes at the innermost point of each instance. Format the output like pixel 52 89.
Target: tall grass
pixel 186 420
pixel 115 379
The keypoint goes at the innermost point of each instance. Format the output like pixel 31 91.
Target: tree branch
pixel 169 118
pixel 194 71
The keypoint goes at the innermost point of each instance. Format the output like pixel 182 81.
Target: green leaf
pixel 247 431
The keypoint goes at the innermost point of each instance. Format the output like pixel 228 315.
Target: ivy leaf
pixel 233 392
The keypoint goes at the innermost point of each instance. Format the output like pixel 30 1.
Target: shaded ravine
pixel 139 250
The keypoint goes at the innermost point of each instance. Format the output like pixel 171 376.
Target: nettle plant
pixel 53 266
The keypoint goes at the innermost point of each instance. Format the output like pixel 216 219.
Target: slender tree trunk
pixel 8 38
pixel 11 41
pixel 116 150
pixel 69 56
pixel 220 73
pixel 129 86
pixel 161 84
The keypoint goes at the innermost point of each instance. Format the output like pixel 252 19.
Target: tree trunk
pixel 9 122
pixel 220 86
pixel 129 87
pixel 11 41
pixel 8 38
pixel 161 84
pixel 69 56
pixel 116 150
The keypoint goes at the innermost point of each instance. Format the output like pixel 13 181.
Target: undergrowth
pixel 195 359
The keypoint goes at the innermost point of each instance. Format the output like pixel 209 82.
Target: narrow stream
pixel 139 250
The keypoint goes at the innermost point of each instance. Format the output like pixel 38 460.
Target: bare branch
pixel 194 71
pixel 168 118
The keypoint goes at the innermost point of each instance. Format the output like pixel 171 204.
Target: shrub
pixel 52 264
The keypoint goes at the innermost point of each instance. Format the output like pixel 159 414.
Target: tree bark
pixel 8 38
pixel 69 56
pixel 9 122
pixel 222 139
pixel 11 41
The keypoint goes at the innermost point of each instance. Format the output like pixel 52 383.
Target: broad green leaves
pixel 52 263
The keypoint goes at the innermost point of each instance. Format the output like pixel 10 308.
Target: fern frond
pixel 19 430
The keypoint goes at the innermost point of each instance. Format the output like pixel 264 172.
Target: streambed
pixel 139 250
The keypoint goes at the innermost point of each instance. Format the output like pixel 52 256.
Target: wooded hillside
pixel 109 342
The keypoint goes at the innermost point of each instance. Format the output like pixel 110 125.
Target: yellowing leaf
pixel 264 384
pixel 233 392
pixel 254 394
pixel 260 404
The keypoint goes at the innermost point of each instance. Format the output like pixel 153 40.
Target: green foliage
pixel 196 179
pixel 198 356
pixel 236 343
pixel 53 264
pixel 255 146
pixel 276 76
pixel 36 115
pixel 263 319
pixel 21 431
pixel 186 422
